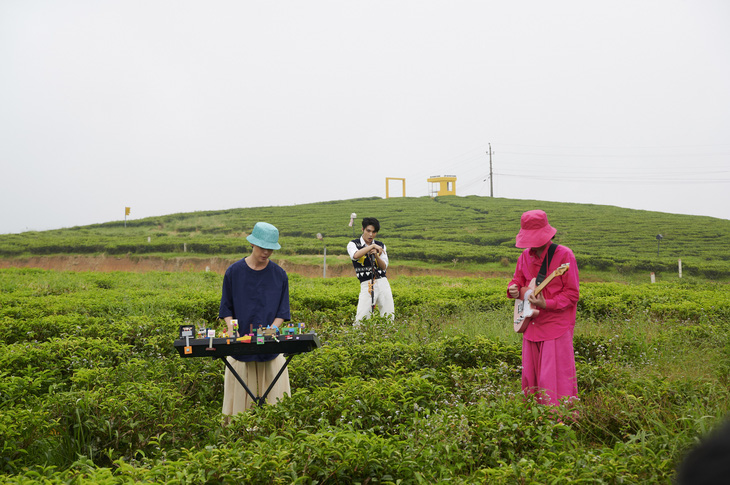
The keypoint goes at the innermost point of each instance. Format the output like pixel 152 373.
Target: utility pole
pixel 491 176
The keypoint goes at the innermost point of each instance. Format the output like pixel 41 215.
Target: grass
pixel 475 322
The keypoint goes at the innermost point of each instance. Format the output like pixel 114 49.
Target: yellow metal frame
pixel 387 186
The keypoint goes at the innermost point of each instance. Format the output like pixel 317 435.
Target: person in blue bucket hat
pixel 264 235
pixel 256 293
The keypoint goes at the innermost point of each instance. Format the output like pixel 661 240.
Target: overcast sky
pixel 178 106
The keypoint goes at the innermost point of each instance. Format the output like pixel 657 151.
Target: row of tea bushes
pixel 28 296
pixel 475 230
pixel 92 391
pixel 156 420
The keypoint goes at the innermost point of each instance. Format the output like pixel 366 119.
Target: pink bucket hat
pixel 534 230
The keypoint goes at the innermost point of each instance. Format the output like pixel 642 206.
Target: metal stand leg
pixel 263 398
pixel 238 378
pixel 260 401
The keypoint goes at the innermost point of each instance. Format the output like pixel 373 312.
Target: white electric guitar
pixel 524 312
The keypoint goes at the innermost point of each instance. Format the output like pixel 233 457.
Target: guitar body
pixel 524 312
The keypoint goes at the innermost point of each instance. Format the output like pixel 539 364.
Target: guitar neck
pixel 543 284
pixel 562 269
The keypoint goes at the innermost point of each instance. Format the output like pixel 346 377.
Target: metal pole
pixel 491 175
pixel 372 283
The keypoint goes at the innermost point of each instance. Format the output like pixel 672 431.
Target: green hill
pixel 461 233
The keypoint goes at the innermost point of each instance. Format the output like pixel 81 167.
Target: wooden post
pixel 653 278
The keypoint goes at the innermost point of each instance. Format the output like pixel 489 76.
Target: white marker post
pixel 324 268
pixel 679 262
pixel 352 222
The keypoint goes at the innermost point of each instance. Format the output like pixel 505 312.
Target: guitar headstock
pixel 561 269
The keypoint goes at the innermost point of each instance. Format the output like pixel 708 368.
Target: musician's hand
pixel 514 291
pixel 538 301
pixel 375 249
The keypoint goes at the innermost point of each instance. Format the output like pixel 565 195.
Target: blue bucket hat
pixel 264 235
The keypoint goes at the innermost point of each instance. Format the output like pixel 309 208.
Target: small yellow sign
pixel 126 211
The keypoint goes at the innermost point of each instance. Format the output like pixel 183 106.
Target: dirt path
pixel 217 265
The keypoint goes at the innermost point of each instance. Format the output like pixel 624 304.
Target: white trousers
pixel 383 299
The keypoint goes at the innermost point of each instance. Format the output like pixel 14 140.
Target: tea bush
pixel 92 391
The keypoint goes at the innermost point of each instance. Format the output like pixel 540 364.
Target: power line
pixel 615 179
pixel 470 165
pixel 621 147
pixel 616 155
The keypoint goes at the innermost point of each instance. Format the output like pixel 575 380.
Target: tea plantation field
pixel 464 233
pixel 92 391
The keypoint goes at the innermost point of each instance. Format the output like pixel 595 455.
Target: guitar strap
pixel 545 264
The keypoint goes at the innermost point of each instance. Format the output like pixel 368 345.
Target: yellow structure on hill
pixel 387 185
pixel 447 185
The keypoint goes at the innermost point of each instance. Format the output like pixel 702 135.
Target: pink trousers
pixel 548 369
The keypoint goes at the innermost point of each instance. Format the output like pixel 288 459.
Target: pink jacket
pixel 561 294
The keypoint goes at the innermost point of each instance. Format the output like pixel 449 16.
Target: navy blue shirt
pixel 255 298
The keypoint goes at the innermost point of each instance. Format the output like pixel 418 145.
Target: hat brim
pixel 261 243
pixel 535 238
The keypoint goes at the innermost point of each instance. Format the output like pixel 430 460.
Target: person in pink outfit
pixel 548 358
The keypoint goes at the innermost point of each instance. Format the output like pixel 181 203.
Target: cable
pixel 614 179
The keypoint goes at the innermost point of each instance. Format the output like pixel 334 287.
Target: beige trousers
pixel 258 377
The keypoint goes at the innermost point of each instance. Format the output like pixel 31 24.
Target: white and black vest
pixel 364 269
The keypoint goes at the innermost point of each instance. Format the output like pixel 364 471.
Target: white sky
pixel 176 106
